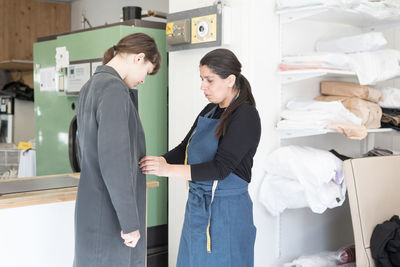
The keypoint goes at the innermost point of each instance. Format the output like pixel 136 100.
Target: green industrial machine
pixel 55 108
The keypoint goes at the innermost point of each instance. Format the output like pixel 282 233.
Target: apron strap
pixel 186 155
pixel 214 187
pixel 210 113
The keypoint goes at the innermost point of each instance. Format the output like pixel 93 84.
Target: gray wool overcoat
pixel 112 189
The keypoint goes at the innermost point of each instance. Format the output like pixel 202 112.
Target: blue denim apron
pixel 225 207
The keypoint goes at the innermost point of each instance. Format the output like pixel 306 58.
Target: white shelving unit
pixel 296 227
pixel 325 14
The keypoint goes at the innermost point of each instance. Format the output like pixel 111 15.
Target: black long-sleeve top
pixel 236 148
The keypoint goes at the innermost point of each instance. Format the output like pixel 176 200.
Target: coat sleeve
pixel 117 166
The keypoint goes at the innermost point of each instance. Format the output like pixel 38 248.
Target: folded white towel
pixel 311 114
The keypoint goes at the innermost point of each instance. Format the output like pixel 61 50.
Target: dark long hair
pixel 223 62
pixel 134 44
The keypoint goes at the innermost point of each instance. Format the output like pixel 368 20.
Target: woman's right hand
pixel 154 165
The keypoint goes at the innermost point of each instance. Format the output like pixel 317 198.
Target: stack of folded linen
pixel 316 61
pixel 358 99
pixel 298 177
pixel 320 115
pixel 391 108
pixel 365 54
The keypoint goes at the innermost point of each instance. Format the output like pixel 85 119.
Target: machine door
pixel 73 146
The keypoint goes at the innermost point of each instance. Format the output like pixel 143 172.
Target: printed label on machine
pixel 78 75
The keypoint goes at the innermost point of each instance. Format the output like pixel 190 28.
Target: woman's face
pixel 217 90
pixel 138 69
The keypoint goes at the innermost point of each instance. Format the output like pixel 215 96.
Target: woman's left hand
pixel 154 165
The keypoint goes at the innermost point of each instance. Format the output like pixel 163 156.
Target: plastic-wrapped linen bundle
pixel 370 41
pixel 373 67
pixel 299 177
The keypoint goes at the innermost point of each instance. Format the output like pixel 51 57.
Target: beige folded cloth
pixel 351 89
pixel 369 112
pixel 351 131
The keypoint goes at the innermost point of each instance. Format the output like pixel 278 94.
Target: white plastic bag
pixel 299 177
pixel 326 259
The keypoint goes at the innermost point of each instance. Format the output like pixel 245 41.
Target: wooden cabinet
pixel 22 22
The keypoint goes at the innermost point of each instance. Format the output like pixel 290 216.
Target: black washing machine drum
pixel 73 145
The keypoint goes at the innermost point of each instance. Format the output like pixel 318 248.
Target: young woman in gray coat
pixel 110 212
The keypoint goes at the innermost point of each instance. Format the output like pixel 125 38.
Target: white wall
pixel 100 12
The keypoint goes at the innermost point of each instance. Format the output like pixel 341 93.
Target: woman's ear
pixel 139 58
pixel 231 79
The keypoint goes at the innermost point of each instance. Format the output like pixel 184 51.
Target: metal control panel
pixel 194 28
pixel 178 32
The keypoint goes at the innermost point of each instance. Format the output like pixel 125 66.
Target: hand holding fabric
pixel 154 165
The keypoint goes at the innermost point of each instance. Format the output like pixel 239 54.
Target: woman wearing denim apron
pixel 216 157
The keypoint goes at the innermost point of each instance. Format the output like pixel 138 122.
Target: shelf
pixel 16 64
pixel 337 15
pixel 298 75
pixel 287 134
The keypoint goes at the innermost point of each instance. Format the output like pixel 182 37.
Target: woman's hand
pixel 154 165
pixel 131 239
